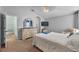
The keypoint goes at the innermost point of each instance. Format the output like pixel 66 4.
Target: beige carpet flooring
pixel 13 45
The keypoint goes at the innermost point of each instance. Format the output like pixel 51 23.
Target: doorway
pixel 11 28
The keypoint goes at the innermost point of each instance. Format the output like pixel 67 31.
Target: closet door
pixel 2 30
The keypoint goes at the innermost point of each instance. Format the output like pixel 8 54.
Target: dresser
pixel 28 33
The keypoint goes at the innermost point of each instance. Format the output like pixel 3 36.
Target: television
pixel 44 23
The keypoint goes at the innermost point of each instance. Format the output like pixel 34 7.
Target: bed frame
pixel 48 46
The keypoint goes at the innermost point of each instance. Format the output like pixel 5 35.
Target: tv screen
pixel 45 23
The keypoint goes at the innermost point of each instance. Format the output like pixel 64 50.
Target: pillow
pixel 74 31
pixel 45 32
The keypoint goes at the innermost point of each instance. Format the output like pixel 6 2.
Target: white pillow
pixel 76 31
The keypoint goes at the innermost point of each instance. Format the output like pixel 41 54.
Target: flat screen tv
pixel 44 23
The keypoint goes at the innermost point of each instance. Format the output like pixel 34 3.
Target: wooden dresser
pixel 28 33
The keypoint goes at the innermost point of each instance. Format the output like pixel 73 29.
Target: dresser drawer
pixel 26 33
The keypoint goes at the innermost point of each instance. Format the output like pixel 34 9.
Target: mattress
pixel 71 42
pixel 55 37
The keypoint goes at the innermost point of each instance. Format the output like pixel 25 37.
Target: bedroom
pixel 27 21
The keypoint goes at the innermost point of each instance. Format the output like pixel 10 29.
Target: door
pixel 2 30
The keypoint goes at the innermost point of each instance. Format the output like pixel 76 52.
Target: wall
pixel 61 23
pixel 76 21
pixel 0 9
pixel 27 15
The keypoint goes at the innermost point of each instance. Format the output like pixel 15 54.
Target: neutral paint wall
pixel 78 20
pixel 27 15
pixel 59 24
pixel 0 9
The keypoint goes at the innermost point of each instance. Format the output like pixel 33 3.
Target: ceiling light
pixel 45 9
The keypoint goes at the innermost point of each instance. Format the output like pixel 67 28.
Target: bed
pixel 56 42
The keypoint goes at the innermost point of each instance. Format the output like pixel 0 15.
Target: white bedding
pixel 74 42
pixel 71 42
pixel 55 37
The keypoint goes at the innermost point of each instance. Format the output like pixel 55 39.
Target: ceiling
pixel 53 10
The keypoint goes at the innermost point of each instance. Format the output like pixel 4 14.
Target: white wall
pixel 0 9
pixel 61 23
pixel 27 15
pixel 31 15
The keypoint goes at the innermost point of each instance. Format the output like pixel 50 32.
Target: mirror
pixel 27 23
